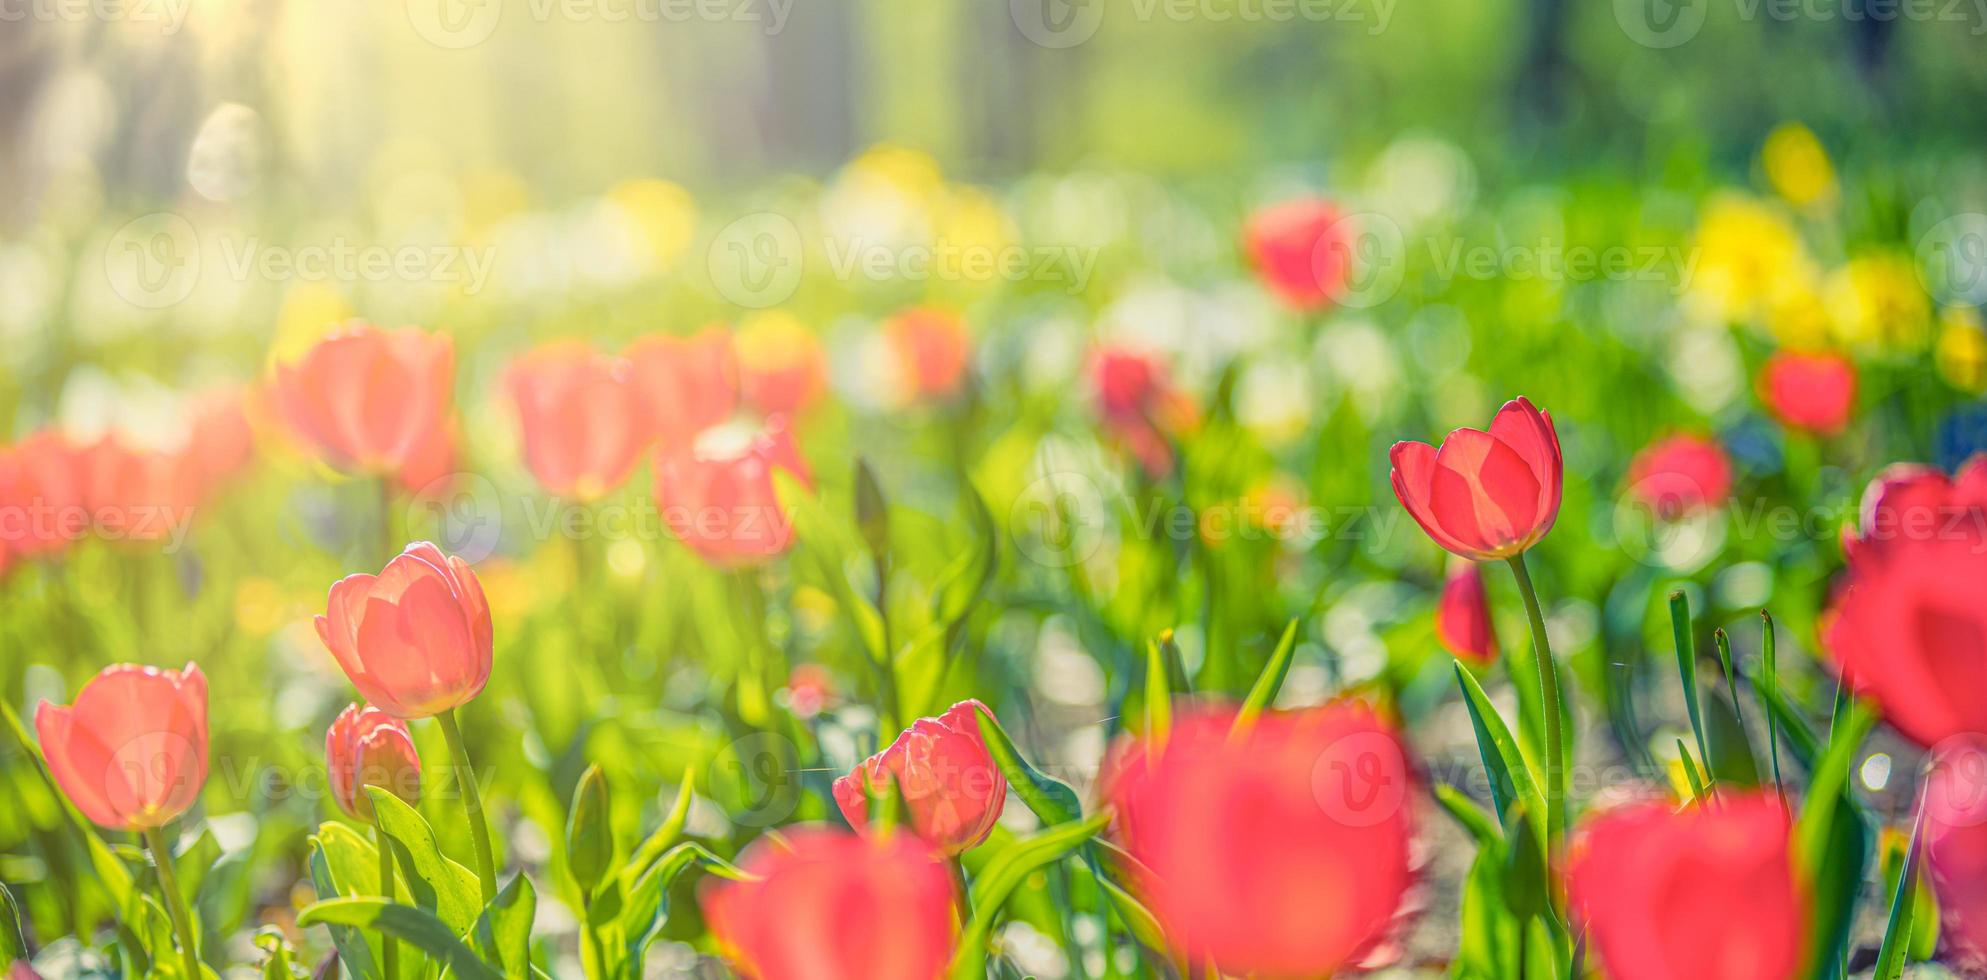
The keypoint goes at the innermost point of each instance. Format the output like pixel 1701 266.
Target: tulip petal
pixel 71 754
pixel 1414 473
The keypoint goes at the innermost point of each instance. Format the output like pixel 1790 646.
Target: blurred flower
pixel 949 782
pixel 1680 474
pixel 219 437
pixel 428 467
pixel 364 398
pixel 1462 618
pixel 1797 315
pixel 717 495
pixel 665 213
pixel 687 384
pixel 1282 853
pixel 933 349
pixel 580 416
pixel 1878 301
pixel 368 747
pixel 132 751
pixel 1140 407
pixel 829 905
pixel 1812 392
pixel 1956 838
pixel 1746 253
pixel 139 494
pixel 1485 495
pixel 1907 627
pixel 1798 167
pixel 1962 349
pixel 414 639
pixel 781 370
pixel 1707 893
pixel 809 687
pixel 1299 250
pixel 41 495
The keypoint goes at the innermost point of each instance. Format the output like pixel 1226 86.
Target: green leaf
pixel 1772 681
pixel 270 940
pixel 647 905
pixel 664 835
pixel 1051 799
pixel 1004 871
pixel 1158 695
pixel 1833 842
pixel 437 884
pixel 1691 773
pixel 1898 930
pixel 872 514
pixel 1270 681
pixel 405 922
pixel 338 859
pixel 1524 866
pixel 13 942
pixel 1481 826
pixel 503 930
pixel 1802 739
pixel 589 832
pixel 1511 780
pixel 1687 668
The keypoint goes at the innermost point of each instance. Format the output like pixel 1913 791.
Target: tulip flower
pixel 1812 392
pixel 583 424
pixel 717 496
pixel 1485 495
pixel 1679 474
pixel 219 437
pixel 415 639
pixel 132 751
pixel 1702 894
pixel 363 398
pixel 687 384
pixel 829 905
pixel 368 747
pixel 781 370
pixel 1956 839
pixel 1906 626
pixel 1279 853
pixel 948 779
pixel 427 471
pixel 1139 406
pixel 1300 251
pixel 42 508
pixel 139 494
pixel 1462 618
pixel 933 349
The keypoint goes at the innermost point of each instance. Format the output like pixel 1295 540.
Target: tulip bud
pixel 583 424
pixel 590 832
pixel 1462 618
pixel 1300 251
pixel 363 399
pixel 945 775
pixel 131 753
pixel 1812 392
pixel 414 639
pixel 368 747
pixel 1485 495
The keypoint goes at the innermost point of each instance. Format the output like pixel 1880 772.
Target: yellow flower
pixel 1877 302
pixel 1797 317
pixel 666 214
pixel 1747 253
pixel 1962 350
pixel 1798 167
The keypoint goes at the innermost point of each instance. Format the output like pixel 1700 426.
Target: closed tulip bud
pixel 829 905
pixel 1300 251
pixel 718 496
pixel 131 753
pixel 42 508
pixel 932 348
pixel 363 399
pixel 1462 618
pixel 368 747
pixel 1706 893
pixel 1812 392
pixel 687 384
pixel 949 782
pixel 1680 474
pixel 414 639
pixel 583 424
pixel 1956 838
pixel 590 832
pixel 1282 853
pixel 1485 495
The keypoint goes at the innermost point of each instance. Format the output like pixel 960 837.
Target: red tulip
pixel 584 426
pixel 781 370
pixel 1907 626
pixel 1956 839
pixel 1680 474
pixel 364 398
pixel 687 384
pixel 1280 854
pixel 132 751
pixel 1701 894
pixel 219 438
pixel 1485 495
pixel 949 781
pixel 41 495
pixel 368 747
pixel 829 905
pixel 1813 392
pixel 1299 249
pixel 933 348
pixel 717 496
pixel 1139 406
pixel 140 494
pixel 414 639
pixel 1462 618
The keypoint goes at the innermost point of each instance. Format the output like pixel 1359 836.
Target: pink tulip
pixel 687 384
pixel 948 780
pixel 1300 250
pixel 414 639
pixel 1680 474
pixel 1485 495
pixel 718 496
pixel 42 508
pixel 584 426
pixel 1812 392
pixel 368 747
pixel 131 753
pixel 933 348
pixel 364 398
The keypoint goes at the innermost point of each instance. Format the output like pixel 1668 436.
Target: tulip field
pixel 770 492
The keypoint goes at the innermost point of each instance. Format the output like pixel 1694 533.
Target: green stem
pixel 1555 770
pixel 182 921
pixel 389 949
pixel 595 951
pixel 472 804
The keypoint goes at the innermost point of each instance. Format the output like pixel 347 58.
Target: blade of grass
pixel 1772 682
pixel 1268 682
pixel 1691 773
pixel 1897 932
pixel 1687 668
